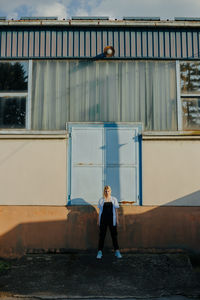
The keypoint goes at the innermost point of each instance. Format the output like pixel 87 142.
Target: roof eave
pixel 100 23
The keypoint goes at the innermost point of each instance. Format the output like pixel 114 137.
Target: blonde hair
pixel 106 187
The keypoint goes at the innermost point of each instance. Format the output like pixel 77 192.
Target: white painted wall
pixel 33 171
pixel 171 172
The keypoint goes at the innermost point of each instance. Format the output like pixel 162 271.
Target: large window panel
pixel 191 113
pixel 12 112
pixel 13 76
pixel 109 94
pixel 13 94
pixel 149 94
pixel 106 91
pixel 190 77
pixel 50 95
pixel 84 93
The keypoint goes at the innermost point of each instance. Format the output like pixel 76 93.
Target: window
pixel 94 91
pixel 190 95
pixel 13 95
pixel 104 91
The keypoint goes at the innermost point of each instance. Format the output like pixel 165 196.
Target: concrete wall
pixel 33 170
pixel 45 228
pixel 170 169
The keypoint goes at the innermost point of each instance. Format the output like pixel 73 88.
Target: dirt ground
pixel 81 275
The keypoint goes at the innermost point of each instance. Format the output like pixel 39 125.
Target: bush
pixel 4 266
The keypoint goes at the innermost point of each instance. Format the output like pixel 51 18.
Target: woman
pixel 108 217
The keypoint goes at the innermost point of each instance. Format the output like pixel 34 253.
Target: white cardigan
pixel 115 205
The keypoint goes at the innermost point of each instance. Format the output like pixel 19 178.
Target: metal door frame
pixel 70 125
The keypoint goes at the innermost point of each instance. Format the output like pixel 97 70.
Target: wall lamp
pixel 108 51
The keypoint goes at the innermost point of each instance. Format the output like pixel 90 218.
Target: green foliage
pixel 190 84
pixel 4 266
pixel 12 77
pixel 190 76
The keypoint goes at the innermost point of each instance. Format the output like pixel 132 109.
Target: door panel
pixel 86 184
pixel 99 155
pixel 87 145
pixel 123 181
pixel 86 165
pixel 120 146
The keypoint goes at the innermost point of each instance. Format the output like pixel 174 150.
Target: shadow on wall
pixel 64 229
pixel 171 226
pixel 192 199
pixel 164 227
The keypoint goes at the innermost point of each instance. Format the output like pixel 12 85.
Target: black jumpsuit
pixel 107 221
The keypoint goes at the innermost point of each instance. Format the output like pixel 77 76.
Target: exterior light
pixel 108 51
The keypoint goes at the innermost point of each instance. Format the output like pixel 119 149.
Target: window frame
pixel 181 96
pixel 29 100
pixel 178 97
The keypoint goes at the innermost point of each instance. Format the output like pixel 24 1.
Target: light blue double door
pixel 103 154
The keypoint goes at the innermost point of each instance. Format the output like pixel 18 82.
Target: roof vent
pixel 38 18
pixel 90 18
pixel 141 18
pixel 186 19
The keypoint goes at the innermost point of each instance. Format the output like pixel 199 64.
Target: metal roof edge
pixel 100 23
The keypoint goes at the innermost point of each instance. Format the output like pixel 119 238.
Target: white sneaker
pixel 99 254
pixel 118 254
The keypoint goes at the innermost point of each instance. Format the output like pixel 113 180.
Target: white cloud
pixel 51 9
pixel 9 4
pixel 18 8
pixel 111 8
pixel 162 8
pixel 81 12
pixel 12 15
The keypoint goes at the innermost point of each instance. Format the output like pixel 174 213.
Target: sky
pixel 114 9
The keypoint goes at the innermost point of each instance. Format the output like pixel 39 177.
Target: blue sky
pixel 111 8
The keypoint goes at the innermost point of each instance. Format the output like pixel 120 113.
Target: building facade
pixel 73 119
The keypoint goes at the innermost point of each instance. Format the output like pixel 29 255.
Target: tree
pixel 13 77
pixel 190 84
pixel 190 77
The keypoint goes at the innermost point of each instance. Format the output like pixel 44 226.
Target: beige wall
pixel 33 171
pixel 29 229
pixel 171 169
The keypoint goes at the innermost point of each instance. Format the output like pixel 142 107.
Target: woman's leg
pixel 102 234
pixel 113 232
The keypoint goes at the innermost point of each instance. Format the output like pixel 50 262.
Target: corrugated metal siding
pixel 89 42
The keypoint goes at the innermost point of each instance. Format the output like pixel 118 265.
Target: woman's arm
pixel 98 216
pixel 117 216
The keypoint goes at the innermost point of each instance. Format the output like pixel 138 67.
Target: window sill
pixel 63 134
pixel 171 135
pixel 31 134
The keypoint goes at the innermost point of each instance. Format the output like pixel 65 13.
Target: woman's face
pixel 107 192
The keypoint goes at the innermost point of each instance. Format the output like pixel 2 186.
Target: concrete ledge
pixel 23 134
pixel 171 135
